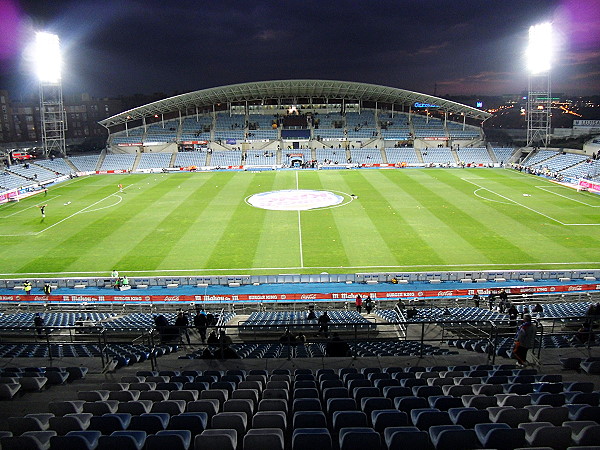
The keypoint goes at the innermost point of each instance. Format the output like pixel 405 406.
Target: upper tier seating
pixel 196 130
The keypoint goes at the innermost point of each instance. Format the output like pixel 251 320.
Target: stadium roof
pixel 346 90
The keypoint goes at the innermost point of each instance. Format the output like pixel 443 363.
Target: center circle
pixel 294 200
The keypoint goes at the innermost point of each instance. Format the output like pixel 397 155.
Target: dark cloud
pixel 113 47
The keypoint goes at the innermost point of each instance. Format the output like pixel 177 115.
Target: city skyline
pixel 436 47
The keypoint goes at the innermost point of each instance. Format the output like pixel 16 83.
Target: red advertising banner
pixel 589 185
pixel 333 296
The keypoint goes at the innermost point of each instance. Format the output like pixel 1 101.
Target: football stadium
pixel 296 264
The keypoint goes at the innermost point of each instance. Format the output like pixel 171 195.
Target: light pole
pixel 48 65
pixel 539 100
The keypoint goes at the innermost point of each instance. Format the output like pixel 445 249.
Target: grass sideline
pixel 400 220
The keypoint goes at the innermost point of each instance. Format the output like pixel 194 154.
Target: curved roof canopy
pixel 346 90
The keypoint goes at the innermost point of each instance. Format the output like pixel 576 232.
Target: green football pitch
pixel 388 220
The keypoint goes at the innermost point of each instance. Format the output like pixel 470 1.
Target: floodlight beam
pixel 539 50
pixel 47 58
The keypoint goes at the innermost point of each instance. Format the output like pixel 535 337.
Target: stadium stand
pixel 162 132
pixel 10 181
pixel 260 158
pixel 399 155
pixel 535 158
pixel 366 156
pixel 503 154
pixel 361 126
pixel 474 155
pixel 187 159
pixel 118 162
pixel 85 163
pixel 57 165
pixel 331 156
pixel 193 129
pixel 438 156
pixel 395 127
pixel 586 169
pixel 32 172
pixel 296 416
pixel 225 158
pixel 154 160
pixel 458 131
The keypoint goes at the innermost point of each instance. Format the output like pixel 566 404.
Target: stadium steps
pixel 71 165
pixel 173 158
pixel 491 153
pixel 383 155
pixel 369 142
pixel 419 155
pixel 100 159
pixel 208 158
pixel 455 155
pixel 136 162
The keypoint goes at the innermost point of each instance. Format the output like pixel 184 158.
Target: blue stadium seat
pixel 451 437
pixel 401 438
pixel 358 438
pixel 500 436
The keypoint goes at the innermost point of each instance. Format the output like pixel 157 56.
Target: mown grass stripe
pixel 403 224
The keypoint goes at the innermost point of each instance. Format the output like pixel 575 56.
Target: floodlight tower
pixel 539 101
pixel 52 111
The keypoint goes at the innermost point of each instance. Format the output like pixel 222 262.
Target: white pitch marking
pixel 545 188
pixel 29 207
pixel 488 199
pixel 533 210
pixel 421 266
pixel 81 211
pixel 105 207
pixel 300 229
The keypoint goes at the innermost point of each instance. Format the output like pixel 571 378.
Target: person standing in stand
pixel 38 321
pixel 525 339
pixel 182 323
pixel 359 303
pixel 324 324
pixel 201 324
pixel 368 304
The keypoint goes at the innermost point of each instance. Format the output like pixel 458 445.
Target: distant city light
pixel 539 50
pixel 47 57
pixel 479 104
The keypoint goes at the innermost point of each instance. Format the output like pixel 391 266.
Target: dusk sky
pixel 116 47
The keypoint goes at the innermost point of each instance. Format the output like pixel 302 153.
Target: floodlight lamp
pixel 539 50
pixel 47 59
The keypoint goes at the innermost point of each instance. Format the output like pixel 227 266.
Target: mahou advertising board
pixel 304 297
